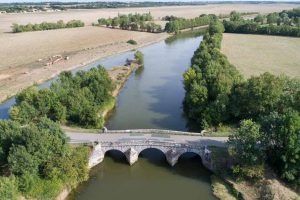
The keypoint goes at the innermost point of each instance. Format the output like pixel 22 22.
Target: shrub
pixel 139 57
pixel 133 42
pixel 8 188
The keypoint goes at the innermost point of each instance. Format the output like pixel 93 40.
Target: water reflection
pixel 149 178
pixel 153 98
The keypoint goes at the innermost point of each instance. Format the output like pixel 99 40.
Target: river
pixel 151 98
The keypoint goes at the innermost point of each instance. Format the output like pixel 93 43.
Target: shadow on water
pixel 117 156
pixel 151 177
pixel 189 164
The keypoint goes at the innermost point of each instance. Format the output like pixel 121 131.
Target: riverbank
pixel 15 79
pixel 225 186
pixel 119 76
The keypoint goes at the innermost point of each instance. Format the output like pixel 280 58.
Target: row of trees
pixel 16 28
pixel 134 22
pixel 208 82
pixel 36 160
pixel 216 93
pixel 176 24
pixel 251 27
pixel 272 24
pixel 73 99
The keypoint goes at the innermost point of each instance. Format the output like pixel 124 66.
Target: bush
pixel 8 188
pixel 139 57
pixel 266 192
pixel 133 42
pixel 246 172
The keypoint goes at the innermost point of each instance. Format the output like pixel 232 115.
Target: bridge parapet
pixel 158 131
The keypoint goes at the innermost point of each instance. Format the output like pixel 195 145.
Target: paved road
pixel 78 137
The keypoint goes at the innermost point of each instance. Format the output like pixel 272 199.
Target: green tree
pixel 235 16
pixel 21 161
pixel 272 18
pixel 102 21
pixel 40 158
pixel 245 143
pixel 245 147
pixel 259 19
pixel 114 22
pixel 257 96
pixel 281 138
pixel 9 133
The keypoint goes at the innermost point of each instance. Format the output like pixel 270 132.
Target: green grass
pixel 221 131
pixel 221 189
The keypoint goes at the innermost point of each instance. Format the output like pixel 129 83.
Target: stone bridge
pixel 132 143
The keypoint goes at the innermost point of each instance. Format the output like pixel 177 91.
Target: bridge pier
pixel 97 156
pixel 172 156
pixel 131 156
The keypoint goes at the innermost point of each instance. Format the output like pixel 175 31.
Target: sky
pixel 12 1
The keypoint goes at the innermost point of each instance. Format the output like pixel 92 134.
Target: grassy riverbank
pixel 221 189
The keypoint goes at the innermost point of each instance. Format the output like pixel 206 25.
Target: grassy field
pixel 256 54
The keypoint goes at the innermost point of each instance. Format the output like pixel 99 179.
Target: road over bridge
pixel 133 142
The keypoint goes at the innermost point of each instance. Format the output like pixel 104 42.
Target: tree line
pixel 134 22
pixel 285 23
pixel 176 24
pixel 17 28
pixel 73 99
pixel 267 106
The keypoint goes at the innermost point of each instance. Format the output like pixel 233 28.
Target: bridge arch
pixel 153 155
pixel 116 155
pixel 191 154
pixel 162 151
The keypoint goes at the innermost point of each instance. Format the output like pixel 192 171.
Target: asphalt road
pixel 80 137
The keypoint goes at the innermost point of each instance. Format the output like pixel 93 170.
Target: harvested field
pixel 256 54
pixel 89 16
pixel 23 48
pixel 23 56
